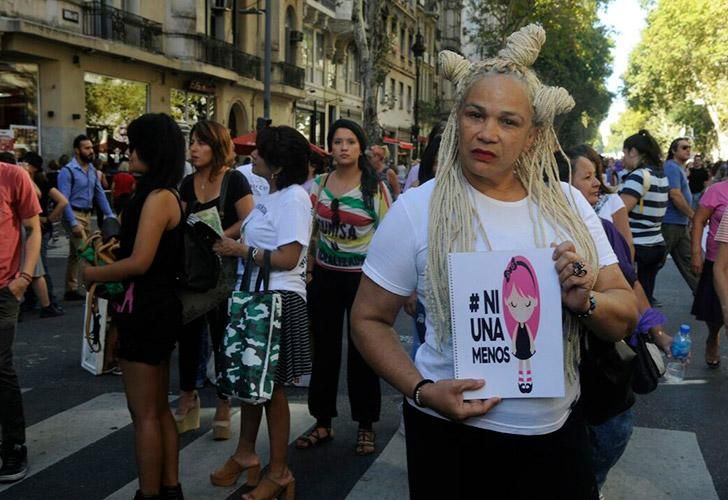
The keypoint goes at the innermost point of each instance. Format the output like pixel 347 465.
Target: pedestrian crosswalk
pixel 644 471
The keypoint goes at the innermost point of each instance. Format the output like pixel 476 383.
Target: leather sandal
pixel 314 438
pixel 269 489
pixel 229 473
pixel 365 442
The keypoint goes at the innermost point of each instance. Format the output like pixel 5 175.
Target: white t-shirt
pixel 259 185
pixel 396 262
pixel 611 204
pixel 278 219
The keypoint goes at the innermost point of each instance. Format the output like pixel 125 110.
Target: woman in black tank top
pixel 148 316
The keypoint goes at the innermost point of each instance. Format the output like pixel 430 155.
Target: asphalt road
pixel 80 436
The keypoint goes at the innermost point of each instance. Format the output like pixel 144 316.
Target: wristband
pixel 418 389
pixel 590 310
pixel 26 276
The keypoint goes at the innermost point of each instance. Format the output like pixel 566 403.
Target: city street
pixel 80 435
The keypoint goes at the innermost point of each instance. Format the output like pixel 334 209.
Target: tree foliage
pixel 681 65
pixel 576 54
pixel 111 102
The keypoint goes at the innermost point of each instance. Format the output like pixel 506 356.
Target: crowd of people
pixel 342 252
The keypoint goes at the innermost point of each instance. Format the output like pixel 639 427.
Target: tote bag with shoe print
pixel 251 344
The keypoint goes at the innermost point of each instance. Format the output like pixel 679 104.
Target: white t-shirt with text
pixel 396 262
pixel 278 219
pixel 259 185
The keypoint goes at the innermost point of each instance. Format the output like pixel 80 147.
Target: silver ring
pixel 579 269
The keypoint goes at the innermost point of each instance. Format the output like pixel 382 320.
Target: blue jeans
pixel 608 441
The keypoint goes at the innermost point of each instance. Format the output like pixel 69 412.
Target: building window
pixel 392 92
pixel 111 103
pixel 402 41
pixel 352 76
pixel 382 94
pixel 409 46
pixel 409 98
pixel 191 107
pixel 308 54
pixel 401 95
pixel 19 107
pixel 318 64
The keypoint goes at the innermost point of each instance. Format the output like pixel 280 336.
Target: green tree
pixel 576 54
pixel 682 62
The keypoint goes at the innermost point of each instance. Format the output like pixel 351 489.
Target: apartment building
pixel 331 62
pixel 70 66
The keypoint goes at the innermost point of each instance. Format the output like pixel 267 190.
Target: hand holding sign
pixel 576 278
pixel 446 398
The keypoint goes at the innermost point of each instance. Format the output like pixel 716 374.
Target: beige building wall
pixel 35 31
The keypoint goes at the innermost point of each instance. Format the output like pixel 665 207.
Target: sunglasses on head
pixel 335 211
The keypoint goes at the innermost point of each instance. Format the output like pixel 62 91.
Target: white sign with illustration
pixel 506 316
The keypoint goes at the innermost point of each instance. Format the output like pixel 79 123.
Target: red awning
pixel 390 140
pixel 406 145
pixel 319 150
pixel 244 144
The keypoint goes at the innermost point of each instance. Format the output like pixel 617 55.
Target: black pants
pixel 331 294
pixel 440 461
pixel 12 420
pixel 190 342
pixel 649 260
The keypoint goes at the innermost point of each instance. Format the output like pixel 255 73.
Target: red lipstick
pixel 483 155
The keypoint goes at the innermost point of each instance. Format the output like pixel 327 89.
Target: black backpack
pixel 201 266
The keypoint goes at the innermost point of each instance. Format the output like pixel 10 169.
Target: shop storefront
pixel 19 104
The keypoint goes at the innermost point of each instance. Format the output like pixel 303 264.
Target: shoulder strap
pixel 73 180
pixel 223 193
pixel 646 178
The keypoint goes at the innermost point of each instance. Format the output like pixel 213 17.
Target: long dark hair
pixel 647 147
pixel 160 144
pixel 369 182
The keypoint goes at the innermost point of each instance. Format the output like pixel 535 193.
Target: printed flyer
pixel 506 316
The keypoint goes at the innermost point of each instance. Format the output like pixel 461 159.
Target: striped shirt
pixel 343 246
pixel 646 221
pixel 721 236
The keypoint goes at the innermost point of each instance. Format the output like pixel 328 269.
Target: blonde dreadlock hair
pixel 452 214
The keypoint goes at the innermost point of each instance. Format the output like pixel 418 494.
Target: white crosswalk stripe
pixel 67 432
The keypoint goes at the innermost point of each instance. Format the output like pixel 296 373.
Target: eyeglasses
pixel 685 147
pixel 335 211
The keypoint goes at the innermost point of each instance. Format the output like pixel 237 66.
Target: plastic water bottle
pixel 679 350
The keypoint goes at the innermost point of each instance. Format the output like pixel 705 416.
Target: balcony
pixel 103 21
pixel 225 55
pixel 289 74
pixel 329 4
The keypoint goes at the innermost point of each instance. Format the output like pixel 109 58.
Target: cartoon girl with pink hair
pixel 521 309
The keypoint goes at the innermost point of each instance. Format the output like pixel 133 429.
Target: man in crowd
pixel 698 177
pixel 79 183
pixel 679 211
pixel 19 206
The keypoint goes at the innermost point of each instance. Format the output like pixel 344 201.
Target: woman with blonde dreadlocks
pixel 496 188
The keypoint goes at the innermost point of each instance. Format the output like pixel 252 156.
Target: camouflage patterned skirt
pixel 295 351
